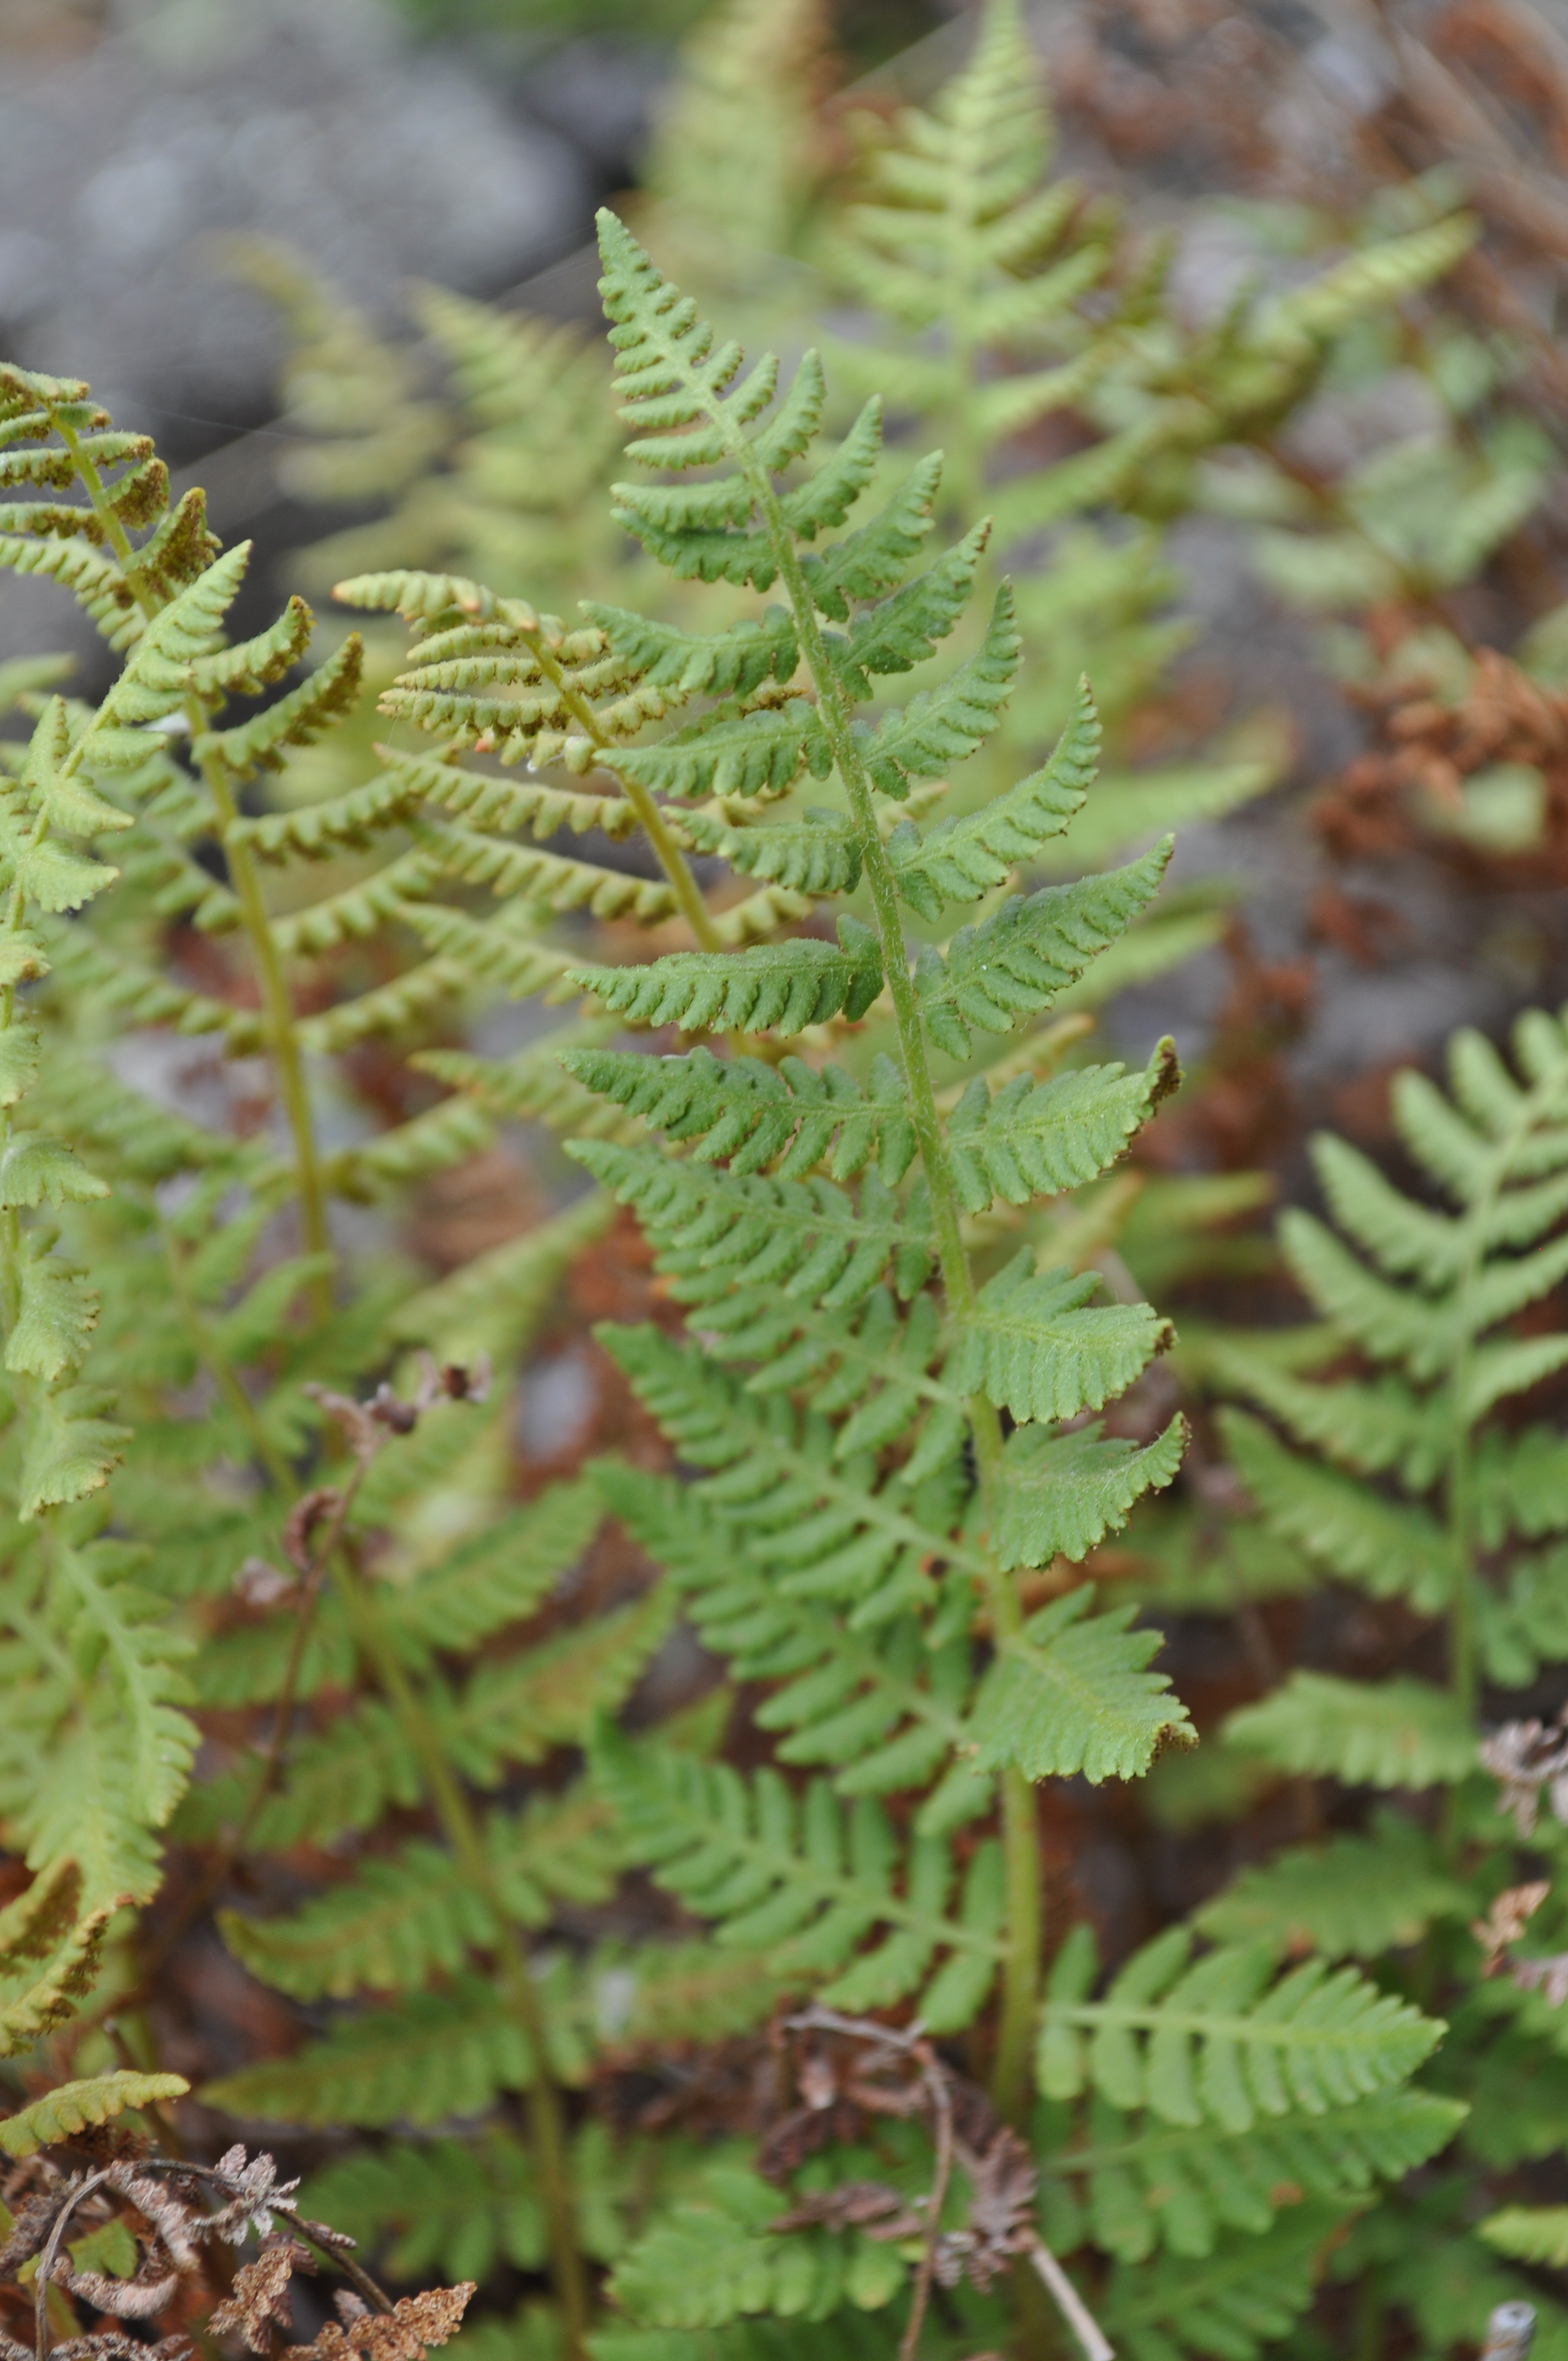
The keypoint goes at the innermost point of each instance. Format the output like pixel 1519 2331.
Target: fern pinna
pixel 1404 1460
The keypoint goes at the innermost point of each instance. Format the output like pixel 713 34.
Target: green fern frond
pixel 1031 1346
pixel 498 1576
pixel 1035 1139
pixel 717 2259
pixel 1397 1733
pixel 296 720
pixel 945 725
pixel 435 2054
pixel 437 2205
pixel 74 2106
pixel 880 1706
pixel 959 859
pixel 1226 2039
pixel 462 2207
pixel 776 987
pixel 1146 2185
pixel 1357 1898
pixel 1392 1548
pixel 1059 1495
pixel 807 1882
pixel 1070 1696
pixel 1529 2234
pixel 751 1113
pixel 810 1238
pixel 514 1711
pixel 492 1302
pixel 814 854
pixel 1014 963
pixel 819 1518
pixel 1241 2299
pixel 415 1914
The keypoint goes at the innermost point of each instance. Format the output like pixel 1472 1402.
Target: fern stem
pixel 666 852
pixel 278 1006
pixel 514 1976
pixel 281 1033
pixel 222 1370
pixel 1026 1929
pixel 1010 2075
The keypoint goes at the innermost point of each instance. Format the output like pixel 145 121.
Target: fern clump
pixel 889 1422
pixel 1402 1457
pixel 778 789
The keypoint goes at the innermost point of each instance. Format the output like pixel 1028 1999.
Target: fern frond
pixel 821 1523
pixel 1034 1139
pixel 1391 1548
pixel 297 720
pixel 441 2203
pixel 904 630
pixel 531 1086
pixel 1061 1494
pixel 433 2055
pixel 1397 1733
pixel 515 1710
pixel 775 987
pixel 806 1881
pixel 721 664
pixel 816 853
pixel 878 554
pixel 945 725
pixel 882 1709
pixel 718 2259
pixel 492 1302
pixel 1014 963
pixel 1068 1695
pixel 959 859
pixel 50 1952
pixel 1031 1346
pixel 72 2107
pixel 1149 2184
pixel 1370 1428
pixel 401 1919
pixel 871 1365
pixel 1245 2296
pixel 499 1576
pixel 751 1113
pixel 1365 283
pixel 811 1238
pixel 1357 1898
pixel 433 1142
pixel 1529 2234
pixel 1226 2039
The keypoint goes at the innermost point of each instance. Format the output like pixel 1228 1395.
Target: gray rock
pixel 311 122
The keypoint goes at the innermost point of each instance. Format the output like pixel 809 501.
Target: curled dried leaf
pixel 414 2322
pixel 34 2221
pixel 1527 1758
pixel 1003 2180
pixel 1506 1920
pixel 115 2344
pixel 868 2205
pixel 306 1514
pixel 141 2298
pixel 260 2295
